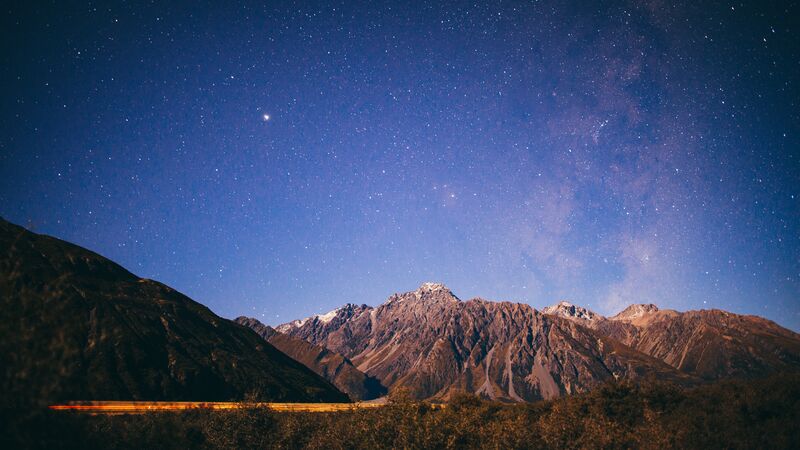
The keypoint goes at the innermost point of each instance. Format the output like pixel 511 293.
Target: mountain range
pixel 433 344
pixel 710 344
pixel 76 326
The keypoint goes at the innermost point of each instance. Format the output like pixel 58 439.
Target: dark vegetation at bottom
pixel 731 414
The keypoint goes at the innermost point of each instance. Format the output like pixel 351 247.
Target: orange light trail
pixel 126 407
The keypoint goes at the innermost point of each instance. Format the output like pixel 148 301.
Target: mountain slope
pixel 74 325
pixel 330 365
pixel 435 345
pixel 711 344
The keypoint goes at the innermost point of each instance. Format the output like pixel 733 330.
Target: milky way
pixel 279 161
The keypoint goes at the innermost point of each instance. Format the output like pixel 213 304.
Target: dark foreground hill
pixel 75 325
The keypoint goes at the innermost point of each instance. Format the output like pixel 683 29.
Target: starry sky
pixel 280 159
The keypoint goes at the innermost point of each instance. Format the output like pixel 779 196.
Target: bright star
pixel 266 117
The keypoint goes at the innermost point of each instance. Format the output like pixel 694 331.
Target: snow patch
pixel 429 286
pixel 327 317
pixel 291 325
pixel 324 318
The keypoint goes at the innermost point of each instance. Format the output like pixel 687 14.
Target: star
pixel 266 117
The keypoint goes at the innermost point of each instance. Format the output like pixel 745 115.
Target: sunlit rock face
pixel 434 344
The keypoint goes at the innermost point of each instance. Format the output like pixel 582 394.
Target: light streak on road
pixel 125 407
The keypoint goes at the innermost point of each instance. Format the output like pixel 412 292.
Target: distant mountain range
pixel 710 344
pixel 434 344
pixel 76 326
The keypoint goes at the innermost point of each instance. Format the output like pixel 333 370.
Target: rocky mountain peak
pixel 429 290
pixel 432 287
pixel 569 311
pixel 635 311
pixel 343 313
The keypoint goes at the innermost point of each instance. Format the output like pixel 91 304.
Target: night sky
pixel 281 160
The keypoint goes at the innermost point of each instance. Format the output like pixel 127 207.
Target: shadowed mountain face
pixel 74 325
pixel 711 344
pixel 435 345
pixel 330 365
